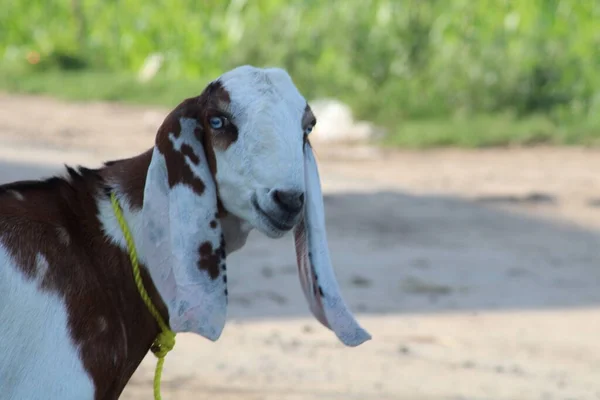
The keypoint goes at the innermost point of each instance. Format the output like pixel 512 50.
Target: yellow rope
pixel 165 341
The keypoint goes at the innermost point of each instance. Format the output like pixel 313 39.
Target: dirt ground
pixel 476 272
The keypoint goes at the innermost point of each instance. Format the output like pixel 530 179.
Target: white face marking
pixel 34 347
pixel 267 109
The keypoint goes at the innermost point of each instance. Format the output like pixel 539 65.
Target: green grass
pixel 475 131
pixel 105 86
pixel 495 130
pixel 431 72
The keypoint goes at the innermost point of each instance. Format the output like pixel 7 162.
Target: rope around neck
pixel 165 341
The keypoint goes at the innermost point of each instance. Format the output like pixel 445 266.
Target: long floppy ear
pixel 180 205
pixel 316 273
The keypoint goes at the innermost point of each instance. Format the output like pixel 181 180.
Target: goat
pixel 233 159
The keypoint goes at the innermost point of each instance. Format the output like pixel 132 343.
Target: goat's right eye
pixel 216 122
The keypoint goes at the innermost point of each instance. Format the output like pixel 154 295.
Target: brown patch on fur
pixel 187 151
pixel 94 277
pixel 213 224
pixel 214 101
pixel 212 165
pixel 221 94
pixel 224 139
pixel 209 151
pixel 178 171
pixel 210 259
pixel 131 175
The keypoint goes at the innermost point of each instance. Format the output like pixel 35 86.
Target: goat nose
pixel 289 200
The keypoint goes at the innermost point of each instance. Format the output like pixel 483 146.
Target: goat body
pixel 235 158
pixel 73 324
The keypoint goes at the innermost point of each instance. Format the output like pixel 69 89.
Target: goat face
pixel 259 132
pixel 242 146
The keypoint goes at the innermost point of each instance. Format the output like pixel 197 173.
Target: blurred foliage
pixel 399 63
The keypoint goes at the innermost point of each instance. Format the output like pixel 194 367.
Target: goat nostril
pixel 290 200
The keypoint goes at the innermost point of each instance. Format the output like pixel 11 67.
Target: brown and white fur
pixel 233 159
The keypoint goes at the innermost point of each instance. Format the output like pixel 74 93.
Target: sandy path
pixel 478 273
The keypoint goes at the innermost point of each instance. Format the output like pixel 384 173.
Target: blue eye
pixel 216 122
pixel 308 130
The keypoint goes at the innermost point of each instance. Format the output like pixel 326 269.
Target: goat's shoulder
pixel 48 217
pixel 51 243
pixel 51 200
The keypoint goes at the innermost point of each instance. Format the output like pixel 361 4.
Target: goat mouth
pixel 273 223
